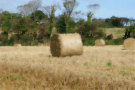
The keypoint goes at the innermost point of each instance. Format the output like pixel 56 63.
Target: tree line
pixel 35 23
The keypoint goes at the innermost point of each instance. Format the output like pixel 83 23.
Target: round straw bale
pixel 18 45
pixel 129 44
pixel 44 44
pixel 99 42
pixel 41 44
pixel 66 45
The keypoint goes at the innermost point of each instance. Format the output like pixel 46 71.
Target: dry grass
pixel 99 68
pixel 116 32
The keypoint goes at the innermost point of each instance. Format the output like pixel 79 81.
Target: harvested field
pixel 116 32
pixel 100 68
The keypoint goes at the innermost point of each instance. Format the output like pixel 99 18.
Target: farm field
pixel 99 68
pixel 116 32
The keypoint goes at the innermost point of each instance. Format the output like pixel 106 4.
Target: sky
pixel 108 8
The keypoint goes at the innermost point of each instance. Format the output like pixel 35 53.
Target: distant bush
pixel 114 21
pixel 88 42
pixel 130 31
pixel 89 33
pixel 118 41
pixel 109 37
pixel 4 39
pixel 43 33
pixel 60 24
pixel 80 22
pixel 38 15
pixel 34 43
pixel 26 38
pixel 100 34
pixel 99 22
pixel 86 30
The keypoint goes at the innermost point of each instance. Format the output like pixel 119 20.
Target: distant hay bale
pixel 40 44
pixel 44 44
pixel 66 45
pixel 18 45
pixel 129 44
pixel 100 42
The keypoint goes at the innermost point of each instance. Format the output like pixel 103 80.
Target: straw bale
pixel 66 45
pixel 100 42
pixel 129 44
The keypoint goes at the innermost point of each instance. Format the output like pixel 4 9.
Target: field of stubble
pixel 99 68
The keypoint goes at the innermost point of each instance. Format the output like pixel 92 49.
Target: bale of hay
pixel 66 45
pixel 100 42
pixel 41 44
pixel 129 44
pixel 18 45
pixel 44 44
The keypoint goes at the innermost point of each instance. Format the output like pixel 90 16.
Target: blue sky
pixel 108 8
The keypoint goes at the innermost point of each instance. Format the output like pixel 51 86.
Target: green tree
pixel 89 17
pixel 130 31
pixel 114 21
pixel 6 18
pixel 50 11
pixel 38 15
pixel 19 27
pixel 92 8
pixel 60 24
pixel 69 6
pixel 86 30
